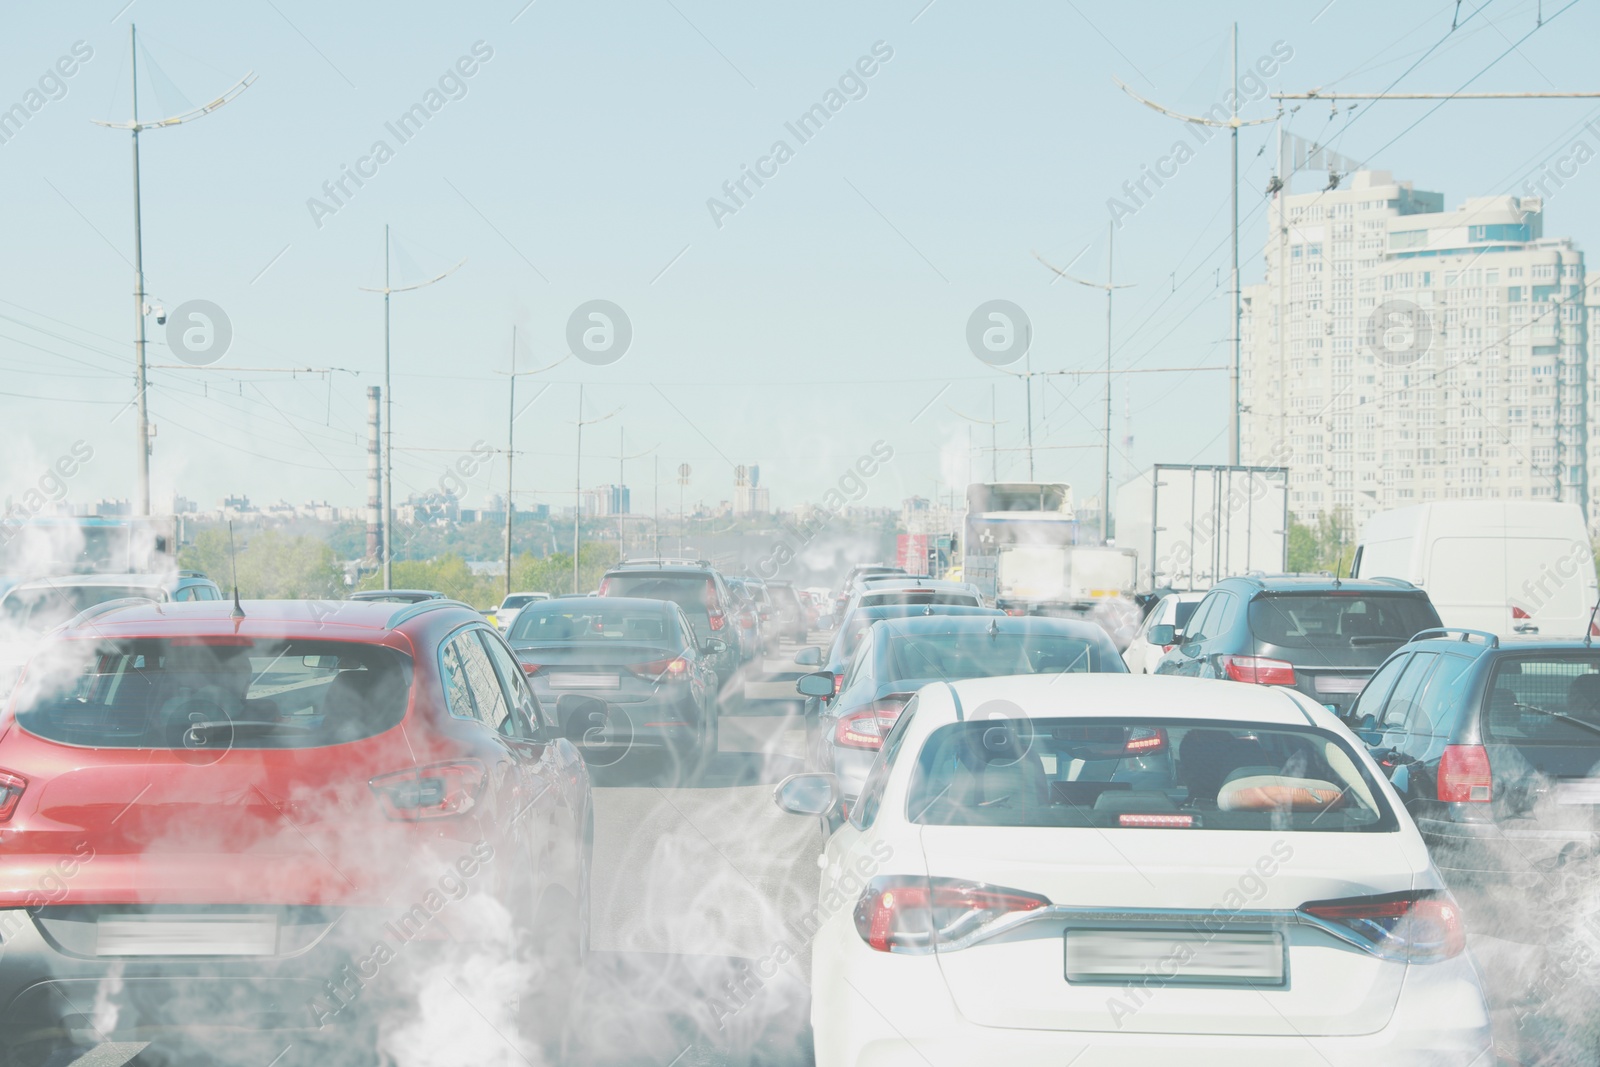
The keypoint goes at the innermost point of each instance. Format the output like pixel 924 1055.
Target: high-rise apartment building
pixel 1398 353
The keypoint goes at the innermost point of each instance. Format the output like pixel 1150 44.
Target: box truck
pixel 1192 526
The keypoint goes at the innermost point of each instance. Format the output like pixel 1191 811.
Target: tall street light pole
pixel 1109 287
pixel 577 510
pixel 1233 124
pixel 388 406
pixel 140 373
pixel 511 427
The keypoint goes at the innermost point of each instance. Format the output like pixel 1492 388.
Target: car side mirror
pixel 714 646
pixel 810 656
pixel 1163 635
pixel 816 684
pixel 807 794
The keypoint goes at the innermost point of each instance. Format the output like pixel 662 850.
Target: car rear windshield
pixel 1143 773
pixel 688 591
pixel 982 655
pixel 917 596
pixel 593 621
pixel 1550 699
pixel 215 694
pixel 39 609
pixel 1339 620
pixel 518 601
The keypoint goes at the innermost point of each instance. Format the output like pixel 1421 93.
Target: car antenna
pixel 1588 635
pixel 994 627
pixel 233 565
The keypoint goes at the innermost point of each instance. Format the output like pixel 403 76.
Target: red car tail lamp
pixel 1145 742
pixel 1415 926
pixel 714 612
pixel 531 668
pixel 439 791
pixel 1258 670
pixel 11 788
pixel 662 670
pixel 868 727
pixel 1465 775
pixel 906 913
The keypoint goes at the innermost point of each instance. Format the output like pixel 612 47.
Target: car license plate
pixel 1177 957
pixel 585 681
pixel 187 935
pixel 1330 683
pixel 1578 791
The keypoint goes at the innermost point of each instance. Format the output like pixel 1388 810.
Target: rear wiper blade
pixel 1563 716
pixel 1375 639
pixel 249 724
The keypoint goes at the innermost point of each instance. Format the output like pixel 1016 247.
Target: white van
pixel 1506 567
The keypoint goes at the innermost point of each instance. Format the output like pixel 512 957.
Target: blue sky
pixel 826 313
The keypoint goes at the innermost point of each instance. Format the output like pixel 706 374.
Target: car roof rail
pixel 106 607
pixel 191 574
pixel 422 607
pixel 1459 633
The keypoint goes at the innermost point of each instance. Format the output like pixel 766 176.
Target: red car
pixel 280 821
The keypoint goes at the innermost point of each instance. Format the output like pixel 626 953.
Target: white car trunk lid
pixel 1306 982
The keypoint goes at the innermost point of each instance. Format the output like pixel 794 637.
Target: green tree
pixel 271 565
pixel 1327 544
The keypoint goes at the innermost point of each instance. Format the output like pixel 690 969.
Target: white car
pixel 1102 869
pixel 512 606
pixel 1174 610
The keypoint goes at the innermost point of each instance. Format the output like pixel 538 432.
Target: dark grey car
pixel 896 657
pixel 1494 745
pixel 640 660
pixel 703 595
pixel 1316 634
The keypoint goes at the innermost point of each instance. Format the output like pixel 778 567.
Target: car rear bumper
pixel 662 721
pixel 1440 1020
pixel 849 765
pixel 1514 852
pixel 341 981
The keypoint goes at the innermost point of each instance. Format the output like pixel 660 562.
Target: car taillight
pixel 531 668
pixel 868 727
pixel 605 584
pixel 1016 611
pixel 434 792
pixel 1417 926
pixel 662 670
pixel 1258 670
pixel 11 787
pixel 905 913
pixel 1144 741
pixel 1518 613
pixel 1464 775
pixel 838 683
